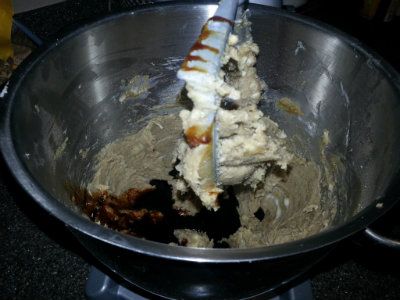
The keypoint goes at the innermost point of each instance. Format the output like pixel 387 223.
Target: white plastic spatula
pixel 200 71
pixel 204 59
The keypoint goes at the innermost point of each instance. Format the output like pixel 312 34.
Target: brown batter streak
pixel 185 65
pixel 196 136
pixel 195 57
pixel 205 33
pixel 186 68
pixel 221 19
pixel 199 46
pixel 118 213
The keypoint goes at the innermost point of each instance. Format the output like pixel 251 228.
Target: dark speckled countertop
pixel 40 258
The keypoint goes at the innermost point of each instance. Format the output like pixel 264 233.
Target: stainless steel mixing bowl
pixel 65 98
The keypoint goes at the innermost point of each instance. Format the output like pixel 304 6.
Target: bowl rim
pixel 83 225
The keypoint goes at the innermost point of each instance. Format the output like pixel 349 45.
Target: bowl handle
pixel 380 239
pixel 3 94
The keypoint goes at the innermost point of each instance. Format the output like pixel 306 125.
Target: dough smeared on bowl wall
pixel 270 195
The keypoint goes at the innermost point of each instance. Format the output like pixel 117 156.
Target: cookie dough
pixel 276 196
pixel 247 139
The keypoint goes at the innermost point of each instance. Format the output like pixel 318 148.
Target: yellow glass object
pixel 6 13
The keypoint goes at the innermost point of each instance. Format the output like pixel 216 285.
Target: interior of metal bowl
pixel 67 100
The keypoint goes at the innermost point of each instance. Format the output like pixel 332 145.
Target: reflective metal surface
pixel 64 102
pixel 386 241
